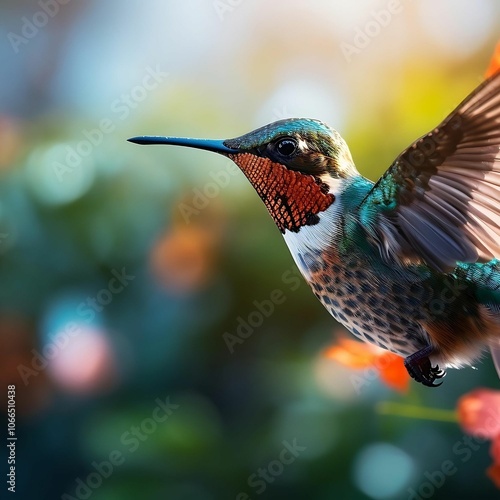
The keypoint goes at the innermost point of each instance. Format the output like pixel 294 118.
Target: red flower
pixel 479 415
pixel 494 474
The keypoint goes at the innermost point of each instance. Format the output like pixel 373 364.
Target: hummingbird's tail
pixel 487 279
pixel 495 354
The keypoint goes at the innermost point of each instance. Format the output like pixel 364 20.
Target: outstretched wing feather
pixel 439 202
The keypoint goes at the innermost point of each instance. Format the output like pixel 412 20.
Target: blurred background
pixel 135 282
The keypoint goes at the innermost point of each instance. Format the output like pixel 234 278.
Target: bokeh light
pixel 382 471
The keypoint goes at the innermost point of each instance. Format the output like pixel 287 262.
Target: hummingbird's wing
pixel 439 202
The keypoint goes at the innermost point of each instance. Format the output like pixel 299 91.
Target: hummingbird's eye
pixel 286 147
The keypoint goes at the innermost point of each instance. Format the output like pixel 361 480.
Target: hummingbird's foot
pixel 420 369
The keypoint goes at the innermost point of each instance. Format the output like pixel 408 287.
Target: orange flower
pixel 360 356
pixel 393 372
pixel 479 413
pixel 183 259
pixel 494 63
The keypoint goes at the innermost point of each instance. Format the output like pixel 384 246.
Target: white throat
pixel 311 239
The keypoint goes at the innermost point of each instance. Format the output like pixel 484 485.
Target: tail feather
pixel 487 279
pixel 495 354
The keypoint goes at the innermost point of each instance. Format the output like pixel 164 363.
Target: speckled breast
pixel 382 308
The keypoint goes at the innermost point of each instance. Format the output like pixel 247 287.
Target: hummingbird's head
pixel 295 165
pixel 299 144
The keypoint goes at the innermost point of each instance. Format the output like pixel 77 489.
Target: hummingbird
pixel 409 263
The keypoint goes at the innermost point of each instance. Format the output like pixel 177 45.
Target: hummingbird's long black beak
pixel 216 146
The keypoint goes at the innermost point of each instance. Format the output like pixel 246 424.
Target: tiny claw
pixel 437 372
pixel 432 384
pixel 420 369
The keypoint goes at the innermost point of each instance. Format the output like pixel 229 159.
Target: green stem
pixel 411 411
